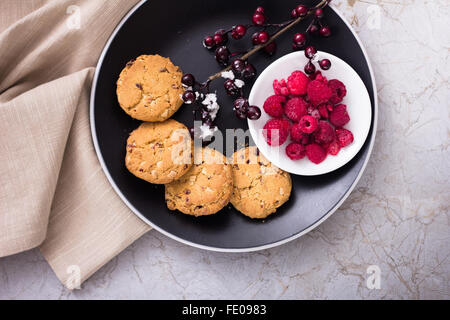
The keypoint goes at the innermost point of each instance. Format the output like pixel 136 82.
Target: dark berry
pixel 223 55
pixel 259 10
pixel 258 19
pixel 238 31
pixel 241 103
pixel 325 64
pixel 294 14
pixel 231 87
pixel 271 48
pixel 263 37
pixel 188 80
pixel 299 39
pixel 310 68
pixel 318 13
pixel 302 10
pixel 249 72
pixel 219 39
pixel 209 43
pixel 310 52
pixel 255 39
pixel 241 113
pixel 253 113
pixel 189 96
pixel 238 66
pixel 313 29
pixel 325 31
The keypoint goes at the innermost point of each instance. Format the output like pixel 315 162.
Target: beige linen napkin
pixel 53 192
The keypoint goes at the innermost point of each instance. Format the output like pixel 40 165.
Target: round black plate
pixel 175 29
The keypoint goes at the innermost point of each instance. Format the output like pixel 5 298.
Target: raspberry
pixel 308 124
pixel 276 131
pixel 338 89
pixel 318 92
pixel 274 106
pixel 315 153
pixel 339 116
pixel 295 151
pixel 333 148
pixel 297 135
pixel 295 108
pixel 344 137
pixel 297 83
pixel 324 110
pixel 324 133
pixel 280 87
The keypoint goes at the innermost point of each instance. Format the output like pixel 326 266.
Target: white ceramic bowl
pixel 358 107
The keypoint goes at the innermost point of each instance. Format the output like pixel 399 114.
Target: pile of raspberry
pixel 310 112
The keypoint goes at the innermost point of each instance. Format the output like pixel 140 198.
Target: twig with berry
pixel 240 70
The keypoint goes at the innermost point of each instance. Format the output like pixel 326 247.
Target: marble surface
pixel 397 218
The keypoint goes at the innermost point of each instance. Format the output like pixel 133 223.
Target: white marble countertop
pixel 397 218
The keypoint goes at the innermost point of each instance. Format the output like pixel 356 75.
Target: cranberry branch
pixel 237 69
pixel 285 27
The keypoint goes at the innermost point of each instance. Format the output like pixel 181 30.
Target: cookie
pixel 205 189
pixel 259 186
pixel 149 88
pixel 159 152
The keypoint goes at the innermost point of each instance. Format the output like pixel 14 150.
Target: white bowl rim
pixel 304 167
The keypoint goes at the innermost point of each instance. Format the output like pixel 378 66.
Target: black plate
pixel 175 29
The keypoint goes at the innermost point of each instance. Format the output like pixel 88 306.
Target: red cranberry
pixel 294 14
pixel 189 96
pixel 249 72
pixel 241 113
pixel 258 19
pixel 219 39
pixel 325 31
pixel 310 52
pixel 222 55
pixel 325 64
pixel 188 80
pixel 241 103
pixel 260 10
pixel 209 43
pixel 263 37
pixel 253 113
pixel 238 31
pixel 318 13
pixel 255 39
pixel 231 88
pixel 313 29
pixel 302 10
pixel 310 68
pixel 238 66
pixel 299 39
pixel 271 48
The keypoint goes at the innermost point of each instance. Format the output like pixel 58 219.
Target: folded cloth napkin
pixel 53 193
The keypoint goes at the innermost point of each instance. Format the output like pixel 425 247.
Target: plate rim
pixel 211 248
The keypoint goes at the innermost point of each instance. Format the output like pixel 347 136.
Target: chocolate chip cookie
pixel 259 186
pixel 159 152
pixel 205 189
pixel 149 88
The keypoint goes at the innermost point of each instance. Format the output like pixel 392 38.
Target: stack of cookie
pixel 161 151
